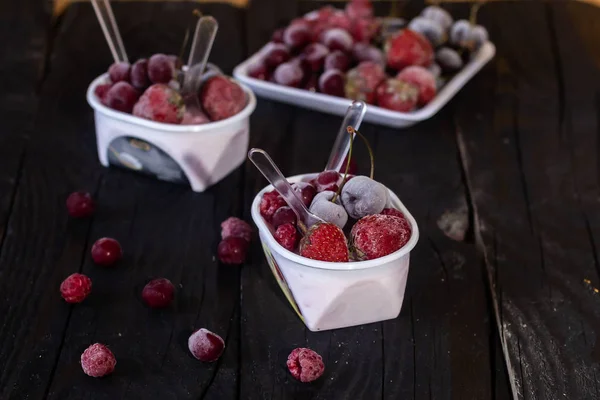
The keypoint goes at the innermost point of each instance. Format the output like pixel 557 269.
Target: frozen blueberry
pixel 362 196
pixel 331 212
pixel 429 28
pixel 438 14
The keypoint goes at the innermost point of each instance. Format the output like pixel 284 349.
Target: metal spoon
pixel 109 26
pixel 267 167
pixel 341 146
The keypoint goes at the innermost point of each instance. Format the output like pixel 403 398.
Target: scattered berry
pixel 232 250
pixel 329 212
pixel 119 71
pixel 139 74
pixel 121 97
pixel 421 78
pixel 337 60
pixel 97 360
pixel 306 191
pixel 362 81
pixel 337 39
pixel 287 236
pixel 275 54
pixel 325 242
pixel 439 15
pixel 363 196
pixel 314 56
pixel 397 95
pixel 378 235
pixel 106 251
pixel 432 30
pixel 366 52
pixel 205 345
pixel 222 98
pixel 284 215
pixel 407 48
pixel 305 365
pixel 158 293
pixel 328 180
pixel 235 227
pixel 75 288
pixel 296 36
pixel 160 103
pixel 332 82
pixel 270 202
pixel 258 70
pixel 80 204
pixel 161 68
pixel 289 74
pixel 101 90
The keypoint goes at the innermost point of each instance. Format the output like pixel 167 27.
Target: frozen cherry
pixel 97 360
pixel 287 236
pixel 438 15
pixel 337 39
pixel 366 52
pixel 328 211
pixel 275 54
pixel 363 196
pixel 106 251
pixel 205 345
pixel 327 180
pixel 305 365
pixel 139 74
pixel 80 204
pixel 235 227
pixel 332 82
pixel 232 250
pixel 314 56
pixel 161 68
pixel 75 288
pixel 122 97
pixel 306 191
pixel 258 70
pixel 296 36
pixel 158 293
pixel 284 215
pixel 101 90
pixel 119 71
pixel 364 29
pixel 277 36
pixel 337 60
pixel 289 74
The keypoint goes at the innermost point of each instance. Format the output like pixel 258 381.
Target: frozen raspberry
pixel 161 68
pixel 397 95
pixel 106 251
pixel 325 242
pixel 205 345
pixel 449 59
pixel 287 236
pixel 284 215
pixel 139 74
pixel 378 235
pixel 80 204
pixel 277 36
pixel 328 180
pixel 101 90
pixel 337 60
pixel 160 103
pixel 232 250
pixel 119 71
pixel 270 202
pixel 235 227
pixel 158 293
pixel 332 82
pixel 438 15
pixel 275 54
pixel 121 97
pixel 362 81
pixel 329 212
pixel 258 70
pixel 97 360
pixel 314 55
pixel 222 98
pixel 306 191
pixel 421 78
pixel 407 48
pixel 337 39
pixel 296 36
pixel 305 365
pixel 431 29
pixel 363 196
pixel 479 35
pixel 75 288
pixel 394 212
pixel 289 74
pixel 194 116
pixel 357 9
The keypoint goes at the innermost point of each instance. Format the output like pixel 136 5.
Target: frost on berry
pixel 75 288
pixel 119 71
pixel 328 211
pixel 439 15
pixel 270 202
pixel 378 235
pixel 337 39
pixel 205 345
pixel 287 236
pixel 222 98
pixel 160 103
pixel 362 81
pixel 121 97
pixel 362 196
pixel 423 79
pixel 235 227
pixel 305 364
pixel 97 361
pixel 284 215
pixel 332 82
pixel 288 74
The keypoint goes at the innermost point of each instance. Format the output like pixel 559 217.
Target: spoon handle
pixel 204 37
pixel 110 29
pixel 341 146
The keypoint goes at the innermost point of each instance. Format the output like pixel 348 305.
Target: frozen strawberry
pixel 305 364
pixel 97 360
pixel 271 202
pixel 101 90
pixel 121 97
pixel 337 39
pixel 397 95
pixel 357 9
pixel 160 103
pixel 378 235
pixel 235 227
pixel 222 98
pixel 287 236
pixel 407 48
pixel 325 242
pixel 421 78
pixel 119 71
pixel 362 81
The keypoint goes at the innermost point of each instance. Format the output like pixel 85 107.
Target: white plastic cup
pixel 331 295
pixel 199 154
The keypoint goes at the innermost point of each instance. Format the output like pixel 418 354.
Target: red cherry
pixel 296 36
pixel 158 293
pixel 275 54
pixel 80 204
pixel 332 82
pixel 258 70
pixel 327 180
pixel 337 60
pixel 106 251
pixel 205 345
pixel 314 55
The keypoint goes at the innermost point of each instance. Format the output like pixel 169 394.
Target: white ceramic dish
pixel 200 155
pixel 338 106
pixel 329 295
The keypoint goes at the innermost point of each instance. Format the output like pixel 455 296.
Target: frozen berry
pixel 429 28
pixel 75 288
pixel 362 196
pixel 80 204
pixel 332 82
pixel 312 83
pixel 337 39
pixel 407 48
pixel 321 15
pixel 306 191
pixel 161 68
pixel 287 236
pixel 339 19
pixel 288 74
pixel 106 251
pixel 275 54
pixel 205 345
pixel 328 180
pixel 359 9
pixel 283 216
pixel 393 211
pixel 397 95
pixel 222 98
pixel 160 103
pixel 270 202
pixel 258 70
pixel 364 30
pixel 479 35
pixel 101 90
pixel 362 81
pixel 435 70
pixel 119 71
pixel 337 60
pixel 421 78
pixel 449 59
pixel 121 97
pixel 314 55
pixel 366 52
pixel 460 33
pixel 232 250
pixel 277 36
pixel 158 293
pixel 139 74
pixel 325 242
pixel 439 15
pixel 329 212
pixel 305 365
pixel 296 36
pixel 97 360
pixel 235 227
pixel 378 235
pixel 194 116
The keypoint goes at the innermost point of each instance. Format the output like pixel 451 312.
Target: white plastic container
pixel 338 106
pixel 199 155
pixel 330 295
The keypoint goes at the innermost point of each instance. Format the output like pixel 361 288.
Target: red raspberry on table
pixel 97 360
pixel 421 78
pixel 222 98
pixel 232 250
pixel 158 293
pixel 121 97
pixel 362 81
pixel 75 288
pixel 271 202
pixel 305 364
pixel 205 345
pixel 160 103
pixel 407 48
pixel 80 204
pixel 378 235
pixel 397 95
pixel 101 90
pixel 119 71
pixel 106 251
pixel 324 242
pixel 235 227
pixel 287 236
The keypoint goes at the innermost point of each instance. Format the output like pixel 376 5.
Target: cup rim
pixel 169 128
pixel 328 265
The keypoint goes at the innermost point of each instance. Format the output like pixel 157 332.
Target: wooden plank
pixel 530 226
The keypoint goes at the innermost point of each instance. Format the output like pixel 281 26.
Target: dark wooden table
pixel 504 182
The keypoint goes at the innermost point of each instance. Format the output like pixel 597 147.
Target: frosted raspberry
pixel 97 361
pixel 305 364
pixel 421 78
pixel 232 250
pixel 235 227
pixel 222 98
pixel 325 242
pixel 271 202
pixel 205 345
pixel 287 236
pixel 158 293
pixel 75 288
pixel 160 103
pixel 378 235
